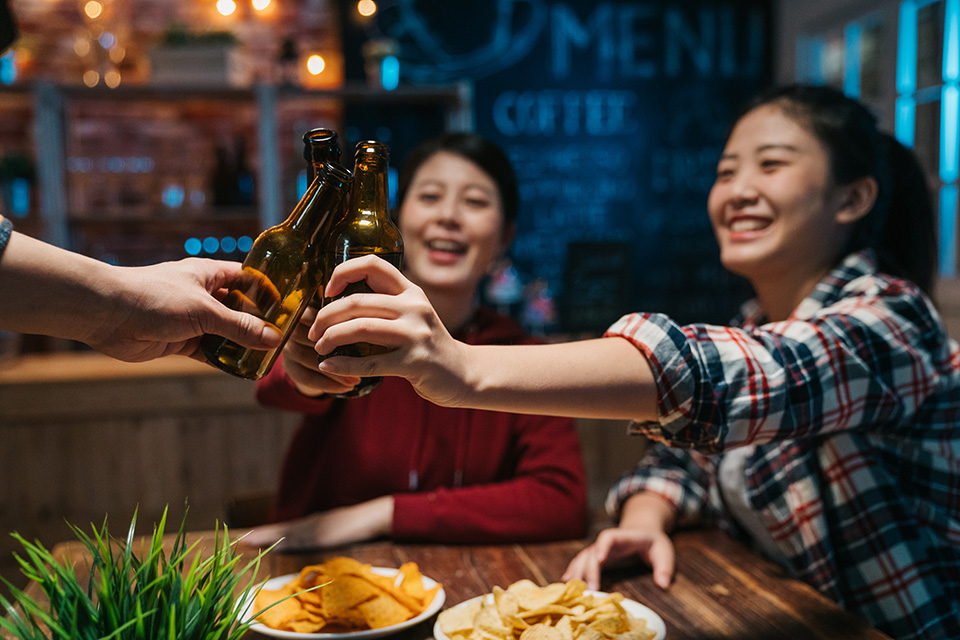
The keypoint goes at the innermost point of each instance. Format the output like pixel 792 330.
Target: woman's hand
pixel 400 317
pixel 333 528
pixel 642 533
pixel 300 363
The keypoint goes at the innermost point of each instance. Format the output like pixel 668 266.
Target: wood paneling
pixel 85 437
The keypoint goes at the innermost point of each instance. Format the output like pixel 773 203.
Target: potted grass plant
pixel 152 596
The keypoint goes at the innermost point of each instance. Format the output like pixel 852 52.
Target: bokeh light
pixel 93 9
pixel 107 40
pixel 260 5
pixel 315 64
pixel 366 8
pixel 226 7
pixel 91 78
pixel 81 46
pixel 112 78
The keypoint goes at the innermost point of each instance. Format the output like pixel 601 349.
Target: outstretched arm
pixel 130 313
pixel 602 378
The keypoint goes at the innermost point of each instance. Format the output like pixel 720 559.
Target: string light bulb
pixel 316 64
pixel 226 7
pixel 93 9
pixel 112 78
pixel 366 8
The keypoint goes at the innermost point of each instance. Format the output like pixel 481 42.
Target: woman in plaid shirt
pixel 823 424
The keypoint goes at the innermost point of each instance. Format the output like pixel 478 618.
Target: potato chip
pixel 459 619
pixel 349 597
pixel 383 611
pixel 542 631
pixel 558 611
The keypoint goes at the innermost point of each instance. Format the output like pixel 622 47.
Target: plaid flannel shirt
pixel 6 228
pixel 853 405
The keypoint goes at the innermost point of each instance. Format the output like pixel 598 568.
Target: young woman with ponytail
pixel 822 425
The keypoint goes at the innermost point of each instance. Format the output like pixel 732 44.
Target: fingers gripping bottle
pixel 366 228
pixel 281 273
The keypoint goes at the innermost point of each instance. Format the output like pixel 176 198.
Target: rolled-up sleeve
pixel 862 362
pixel 6 228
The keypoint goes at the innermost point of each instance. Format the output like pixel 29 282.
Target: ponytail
pixel 908 245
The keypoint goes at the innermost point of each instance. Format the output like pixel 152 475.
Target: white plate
pixel 246 602
pixel 634 608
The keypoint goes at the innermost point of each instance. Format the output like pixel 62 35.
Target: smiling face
pixel 452 223
pixel 777 214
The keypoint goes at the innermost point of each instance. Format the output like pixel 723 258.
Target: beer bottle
pixel 365 228
pixel 320 146
pixel 280 274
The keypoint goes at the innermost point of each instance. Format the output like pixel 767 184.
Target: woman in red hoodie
pixel 392 464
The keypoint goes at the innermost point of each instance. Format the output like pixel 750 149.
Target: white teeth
pixel 446 245
pixel 748 224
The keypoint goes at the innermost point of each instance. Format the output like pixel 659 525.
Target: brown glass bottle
pixel 281 274
pixel 320 146
pixel 365 229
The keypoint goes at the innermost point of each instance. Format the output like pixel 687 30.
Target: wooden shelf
pixel 265 123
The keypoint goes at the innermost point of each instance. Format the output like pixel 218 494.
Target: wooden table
pixel 721 589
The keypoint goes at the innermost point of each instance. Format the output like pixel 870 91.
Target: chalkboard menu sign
pixel 614 115
pixel 597 279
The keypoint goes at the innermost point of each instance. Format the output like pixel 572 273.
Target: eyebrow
pixel 765 147
pixel 434 182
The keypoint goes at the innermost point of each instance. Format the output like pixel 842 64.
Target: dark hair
pixel 474 147
pixel 900 227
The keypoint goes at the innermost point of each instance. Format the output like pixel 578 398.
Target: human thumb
pixel 245 329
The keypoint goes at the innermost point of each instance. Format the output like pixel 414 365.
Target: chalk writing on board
pixel 613 114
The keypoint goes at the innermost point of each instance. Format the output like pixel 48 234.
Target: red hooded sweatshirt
pixel 456 475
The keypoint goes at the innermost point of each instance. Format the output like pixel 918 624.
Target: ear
pixel 858 199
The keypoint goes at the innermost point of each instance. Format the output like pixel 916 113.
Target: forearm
pixel 648 511
pixel 602 378
pixel 51 291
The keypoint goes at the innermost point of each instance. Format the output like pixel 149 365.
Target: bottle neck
pixel 318 156
pixel 368 196
pixel 321 200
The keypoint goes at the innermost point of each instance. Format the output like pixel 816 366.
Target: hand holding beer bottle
pixel 365 229
pixel 283 271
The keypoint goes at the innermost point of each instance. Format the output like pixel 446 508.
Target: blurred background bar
pixel 145 130
pixel 136 131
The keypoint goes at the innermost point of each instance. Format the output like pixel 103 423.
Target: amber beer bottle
pixel 320 146
pixel 365 228
pixel 281 274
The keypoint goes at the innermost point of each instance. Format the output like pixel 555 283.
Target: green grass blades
pixel 148 595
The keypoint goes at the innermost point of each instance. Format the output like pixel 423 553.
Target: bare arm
pixel 602 378
pixel 130 313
